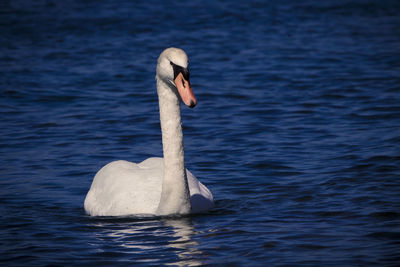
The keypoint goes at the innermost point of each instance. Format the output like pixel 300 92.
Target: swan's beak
pixel 185 91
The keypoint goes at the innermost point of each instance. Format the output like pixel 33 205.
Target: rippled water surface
pixel 297 130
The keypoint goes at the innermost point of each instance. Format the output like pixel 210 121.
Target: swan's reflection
pixel 153 240
pixel 187 249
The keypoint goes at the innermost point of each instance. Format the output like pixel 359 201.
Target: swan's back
pixel 122 188
pixel 125 188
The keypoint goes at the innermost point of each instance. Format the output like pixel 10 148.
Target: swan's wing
pixel 123 188
pixel 201 197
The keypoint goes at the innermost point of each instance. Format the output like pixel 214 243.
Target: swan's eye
pixel 178 69
pixel 186 73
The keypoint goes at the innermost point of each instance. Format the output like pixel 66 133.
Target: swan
pixel 156 186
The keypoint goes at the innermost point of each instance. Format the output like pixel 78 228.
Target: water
pixel 297 130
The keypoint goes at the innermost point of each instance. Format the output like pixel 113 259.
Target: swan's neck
pixel 175 196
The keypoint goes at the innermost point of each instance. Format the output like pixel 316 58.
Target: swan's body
pixel 159 186
pixel 136 189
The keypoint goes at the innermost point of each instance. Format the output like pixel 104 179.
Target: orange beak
pixel 185 91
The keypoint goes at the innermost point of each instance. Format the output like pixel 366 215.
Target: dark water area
pixel 296 132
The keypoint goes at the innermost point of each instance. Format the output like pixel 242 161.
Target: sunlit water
pixel 297 130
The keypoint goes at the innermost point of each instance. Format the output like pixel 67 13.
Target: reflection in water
pixel 143 239
pixel 186 248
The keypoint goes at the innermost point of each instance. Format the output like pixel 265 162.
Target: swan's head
pixel 173 69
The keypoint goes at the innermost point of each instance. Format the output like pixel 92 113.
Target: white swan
pixel 158 186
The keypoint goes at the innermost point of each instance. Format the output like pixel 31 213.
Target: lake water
pixel 296 132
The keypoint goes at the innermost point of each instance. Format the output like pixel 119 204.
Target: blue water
pixel 296 132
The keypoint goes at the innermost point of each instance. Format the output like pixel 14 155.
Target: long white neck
pixel 175 196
